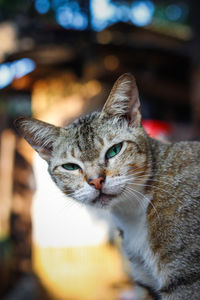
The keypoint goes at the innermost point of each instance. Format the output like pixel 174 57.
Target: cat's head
pixel 100 158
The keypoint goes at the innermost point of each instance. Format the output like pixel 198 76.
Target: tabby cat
pixel 151 189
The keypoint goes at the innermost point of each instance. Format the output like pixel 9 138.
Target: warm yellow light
pixel 93 88
pixel 62 98
pixel 8 38
pixel 81 273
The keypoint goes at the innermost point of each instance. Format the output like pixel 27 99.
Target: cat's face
pixel 95 159
pixel 101 158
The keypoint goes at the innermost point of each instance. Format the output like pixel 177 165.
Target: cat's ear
pixel 123 101
pixel 39 135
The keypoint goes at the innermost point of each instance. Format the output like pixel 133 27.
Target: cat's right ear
pixel 123 101
pixel 39 135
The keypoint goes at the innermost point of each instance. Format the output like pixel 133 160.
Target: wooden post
pixel 7 150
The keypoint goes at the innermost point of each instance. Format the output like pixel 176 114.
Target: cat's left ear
pixel 123 101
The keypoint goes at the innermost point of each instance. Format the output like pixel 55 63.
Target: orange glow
pixel 22 83
pixel 81 273
pixel 104 37
pixel 111 62
pixel 25 150
pixel 93 88
pixel 57 99
pixel 66 109
pixel 8 141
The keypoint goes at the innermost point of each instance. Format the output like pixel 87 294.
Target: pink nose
pixel 97 182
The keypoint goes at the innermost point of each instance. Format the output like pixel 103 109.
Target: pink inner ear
pixel 45 152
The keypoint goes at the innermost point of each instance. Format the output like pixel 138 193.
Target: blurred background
pixel 58 60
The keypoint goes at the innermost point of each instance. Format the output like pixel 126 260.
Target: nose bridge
pixel 93 170
pixel 95 175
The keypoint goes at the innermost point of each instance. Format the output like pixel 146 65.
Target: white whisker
pixel 149 201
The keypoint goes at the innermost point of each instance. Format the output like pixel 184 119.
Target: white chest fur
pixel 136 246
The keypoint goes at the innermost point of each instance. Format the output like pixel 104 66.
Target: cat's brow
pixel 90 154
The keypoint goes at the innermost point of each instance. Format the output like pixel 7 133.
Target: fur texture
pixel 151 189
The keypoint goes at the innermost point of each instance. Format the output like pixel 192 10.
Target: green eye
pixel 71 167
pixel 114 150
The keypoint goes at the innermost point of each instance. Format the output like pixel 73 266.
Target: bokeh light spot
pixel 16 69
pixel 42 6
pixel 142 13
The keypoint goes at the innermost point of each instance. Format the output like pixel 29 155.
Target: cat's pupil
pixel 114 150
pixel 70 167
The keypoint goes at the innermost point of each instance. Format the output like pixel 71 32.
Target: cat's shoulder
pixel 186 149
pixel 180 150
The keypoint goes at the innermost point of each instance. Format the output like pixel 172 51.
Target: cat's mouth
pixel 104 199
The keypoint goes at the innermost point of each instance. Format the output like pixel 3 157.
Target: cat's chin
pixel 103 199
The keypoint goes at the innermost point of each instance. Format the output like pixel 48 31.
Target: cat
pixel 151 189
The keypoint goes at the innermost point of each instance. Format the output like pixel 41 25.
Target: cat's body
pixel 164 242
pixel 151 189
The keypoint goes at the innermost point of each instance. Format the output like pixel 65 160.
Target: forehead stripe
pixel 72 152
pixel 78 144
